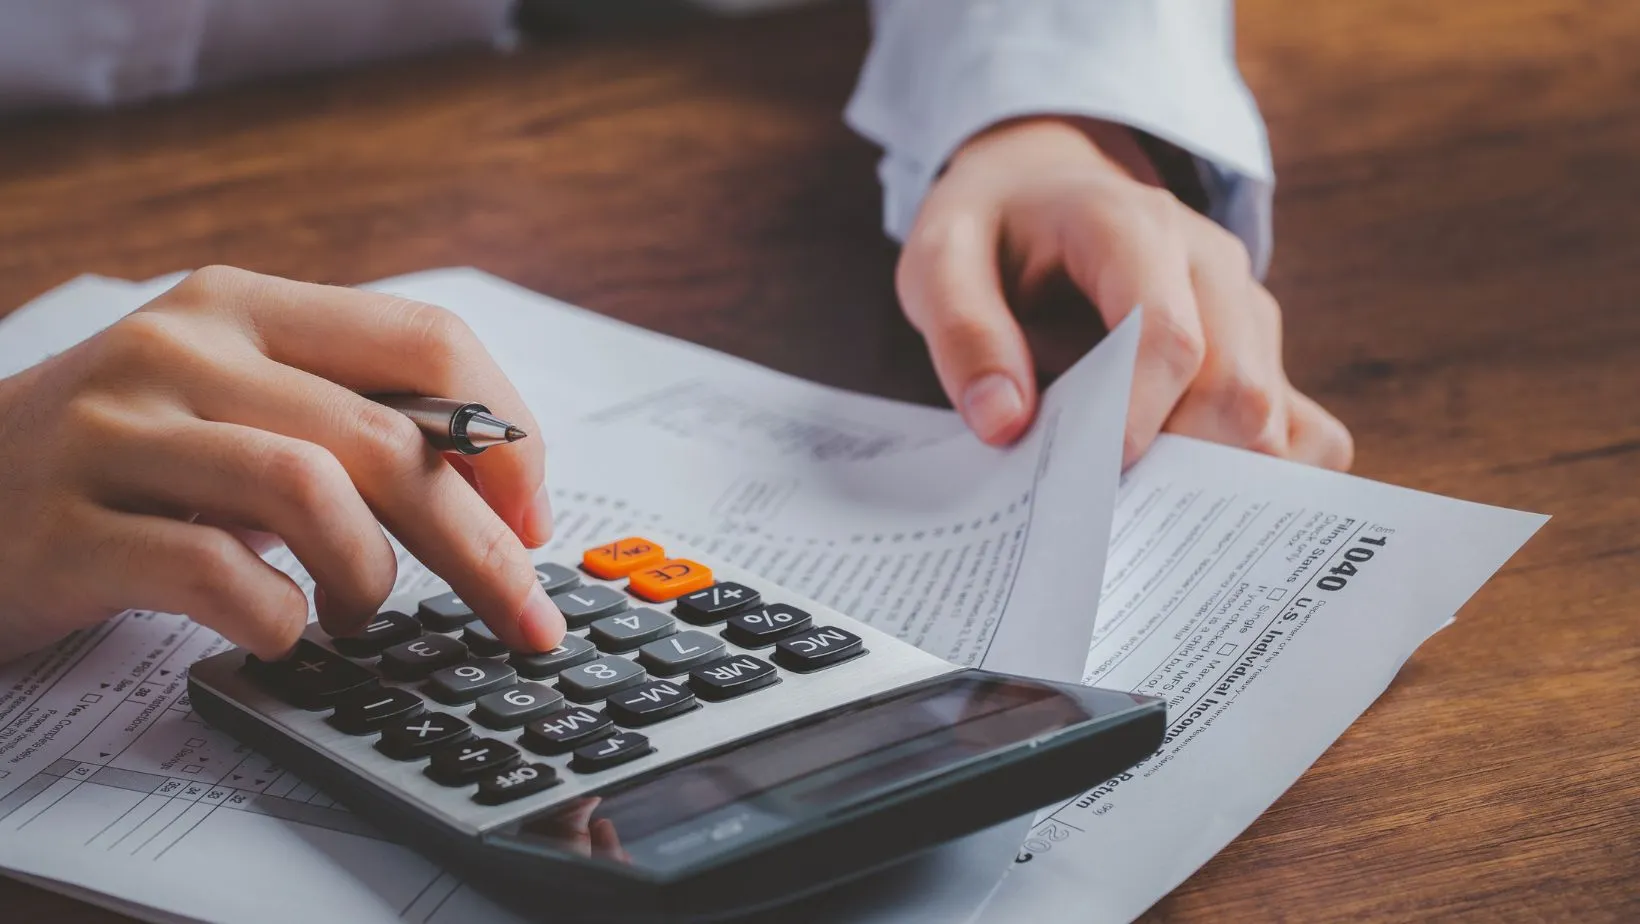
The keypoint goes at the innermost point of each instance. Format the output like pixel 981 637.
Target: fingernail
pixel 991 405
pixel 540 622
pixel 538 520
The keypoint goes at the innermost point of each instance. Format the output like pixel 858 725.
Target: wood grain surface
pixel 1458 256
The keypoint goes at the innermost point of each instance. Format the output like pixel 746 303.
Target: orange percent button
pixel 622 557
pixel 670 579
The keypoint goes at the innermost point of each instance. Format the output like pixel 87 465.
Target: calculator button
pixel 650 702
pixel 670 579
pixel 817 648
pixel 310 678
pixel 766 625
pixel 416 659
pixel 597 679
pixel 516 783
pixel 730 677
pixel 679 653
pixel 465 682
pixel 417 735
pixel 705 607
pixel 566 730
pixel 631 629
pixel 482 640
pixel 516 705
pixel 468 761
pixel 389 628
pixel 366 709
pixel 610 752
pixel 571 651
pixel 555 577
pixel 621 557
pixel 444 613
pixel 585 604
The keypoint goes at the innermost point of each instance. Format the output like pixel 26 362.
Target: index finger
pixel 375 343
pixel 1121 261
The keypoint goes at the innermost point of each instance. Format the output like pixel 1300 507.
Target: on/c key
pixel 670 579
pixel 621 557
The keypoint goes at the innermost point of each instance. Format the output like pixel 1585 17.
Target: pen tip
pixel 514 434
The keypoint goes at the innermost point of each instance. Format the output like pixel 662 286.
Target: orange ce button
pixel 670 579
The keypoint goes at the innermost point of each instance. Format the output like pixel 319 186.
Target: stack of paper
pixel 1270 603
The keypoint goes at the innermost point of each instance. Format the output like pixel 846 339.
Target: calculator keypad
pixel 516 705
pixel 679 653
pixel 467 681
pixel 731 677
pixel 516 783
pixel 621 557
pixel 571 651
pixel 556 577
pixel 481 640
pixel 585 605
pixel 416 659
pixel 715 603
pixel 419 735
pixel 669 579
pixel 648 703
pixel 368 708
pixel 566 730
pixel 817 648
pixel 387 629
pixel 630 629
pixel 610 752
pixel 444 613
pixel 311 677
pixel 597 679
pixel 469 760
pixel 766 625
pixel 622 666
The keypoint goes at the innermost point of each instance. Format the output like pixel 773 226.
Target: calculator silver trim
pixel 890 664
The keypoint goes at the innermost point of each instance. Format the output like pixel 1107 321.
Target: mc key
pixel 817 648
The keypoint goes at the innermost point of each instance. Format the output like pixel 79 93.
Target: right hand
pixel 132 465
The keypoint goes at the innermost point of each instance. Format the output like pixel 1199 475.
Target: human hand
pixel 572 829
pixel 130 464
pixel 1033 199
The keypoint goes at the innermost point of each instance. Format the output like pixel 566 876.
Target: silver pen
pixel 454 426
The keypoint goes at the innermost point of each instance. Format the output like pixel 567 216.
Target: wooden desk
pixel 1458 257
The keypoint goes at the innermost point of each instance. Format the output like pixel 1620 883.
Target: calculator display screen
pixel 690 811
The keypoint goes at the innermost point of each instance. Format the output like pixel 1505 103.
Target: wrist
pixel 1115 145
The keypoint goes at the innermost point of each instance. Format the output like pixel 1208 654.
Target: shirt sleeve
pixel 940 71
pixel 103 52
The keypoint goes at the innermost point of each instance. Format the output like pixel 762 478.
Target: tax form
pixel 110 787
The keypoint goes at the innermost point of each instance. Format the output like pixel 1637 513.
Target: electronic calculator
pixel 702 744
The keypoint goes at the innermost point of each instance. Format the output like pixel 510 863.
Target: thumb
pixel 950 288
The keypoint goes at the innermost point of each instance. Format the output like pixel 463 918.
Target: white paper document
pixel 1269 603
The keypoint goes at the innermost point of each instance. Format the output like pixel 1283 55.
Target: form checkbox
pixel 191 768
pixel 196 742
pixel 1228 648
pixel 1278 593
pixel 91 698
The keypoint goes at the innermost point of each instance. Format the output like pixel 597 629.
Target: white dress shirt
pixel 938 71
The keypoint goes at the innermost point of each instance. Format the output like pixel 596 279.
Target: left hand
pixel 1035 198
